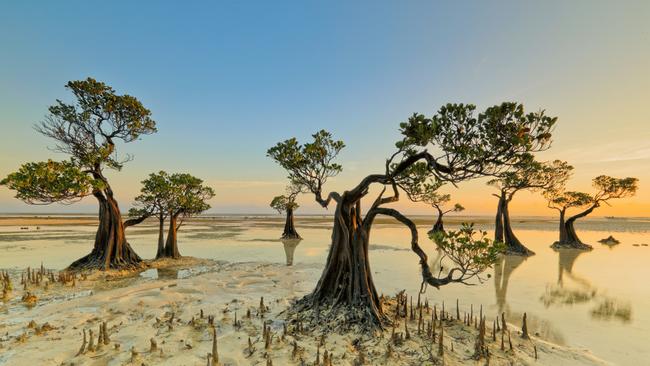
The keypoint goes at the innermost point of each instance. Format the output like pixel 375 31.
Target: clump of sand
pixel 610 240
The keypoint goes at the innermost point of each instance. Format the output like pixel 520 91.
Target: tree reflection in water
pixel 289 249
pixel 503 270
pixel 581 291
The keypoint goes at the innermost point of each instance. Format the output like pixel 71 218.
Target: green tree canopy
pixel 309 165
pixel 287 201
pixel 607 188
pixel 188 195
pixel 178 194
pixel 559 200
pixel 470 250
pixel 466 145
pixel 282 203
pixel 50 181
pixel 533 175
pixel 87 131
pixel 154 196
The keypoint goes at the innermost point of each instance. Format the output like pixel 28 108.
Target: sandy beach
pixel 232 262
pixel 172 304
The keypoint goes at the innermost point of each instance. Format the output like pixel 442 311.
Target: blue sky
pixel 226 80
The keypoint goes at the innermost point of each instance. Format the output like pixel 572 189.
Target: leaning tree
pixel 527 175
pixel 453 145
pixel 188 197
pixel 287 204
pixel 608 188
pixel 88 130
pixel 153 201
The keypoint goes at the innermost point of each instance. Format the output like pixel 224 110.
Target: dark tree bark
pixel 111 250
pixel 498 222
pixel 564 236
pixel 438 226
pixel 347 280
pixel 289 228
pixel 568 236
pixel 171 245
pixel 513 244
pixel 503 230
pixel 346 283
pixel 160 253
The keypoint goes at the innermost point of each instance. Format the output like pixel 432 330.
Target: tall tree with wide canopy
pixel 188 197
pixel 466 146
pixel 153 201
pixel 527 175
pixel 88 130
pixel 608 188
pixel 287 204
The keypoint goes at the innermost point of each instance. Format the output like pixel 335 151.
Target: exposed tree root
pixel 97 261
pixel 335 317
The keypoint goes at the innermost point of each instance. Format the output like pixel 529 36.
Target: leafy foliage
pixel 283 204
pixel 453 145
pixel 188 195
pixel 85 130
pixel 311 164
pixel 533 175
pixel 567 199
pixel 427 192
pixel 608 188
pixel 287 201
pixel 166 194
pixel 470 145
pixel 50 181
pixel 471 252
pixel 154 196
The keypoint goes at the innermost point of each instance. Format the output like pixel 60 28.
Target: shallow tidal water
pixel 597 300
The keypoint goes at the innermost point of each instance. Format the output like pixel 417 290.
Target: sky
pixel 225 80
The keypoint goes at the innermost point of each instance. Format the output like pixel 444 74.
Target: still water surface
pixel 598 300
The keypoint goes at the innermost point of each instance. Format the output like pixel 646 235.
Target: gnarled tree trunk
pixel 438 227
pixel 564 236
pixel 111 250
pixel 171 245
pixel 503 230
pixel 568 236
pixel 289 228
pixel 346 280
pixel 498 221
pixel 160 252
pixel 513 244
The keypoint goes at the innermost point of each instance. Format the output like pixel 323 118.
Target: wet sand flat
pixel 569 299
